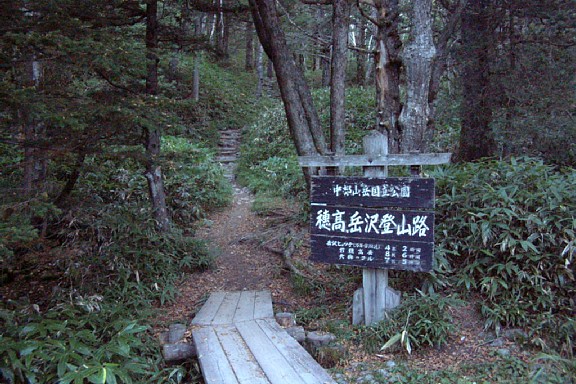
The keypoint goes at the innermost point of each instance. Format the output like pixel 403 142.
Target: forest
pixel 111 113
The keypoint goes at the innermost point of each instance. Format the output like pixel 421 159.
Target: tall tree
pixel 302 117
pixel 361 56
pixel 340 26
pixel 388 68
pixel 417 56
pixel 406 118
pixel 249 58
pixel 152 135
pixel 476 139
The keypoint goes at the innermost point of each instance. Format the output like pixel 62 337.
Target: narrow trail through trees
pixel 233 235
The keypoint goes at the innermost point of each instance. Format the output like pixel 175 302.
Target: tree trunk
pixel 439 61
pixel 361 53
pixel 153 172
pixel 476 140
pixel 388 67
pixel 71 182
pixel 302 117
pixel 418 56
pixel 249 37
pixel 260 71
pixel 341 11
pixel 34 132
pixel 225 41
pixel 196 68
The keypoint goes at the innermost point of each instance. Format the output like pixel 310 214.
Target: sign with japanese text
pixel 373 222
pixel 374 192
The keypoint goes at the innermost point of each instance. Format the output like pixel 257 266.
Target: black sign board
pixel 366 223
pixel 373 253
pixel 374 192
pixel 373 222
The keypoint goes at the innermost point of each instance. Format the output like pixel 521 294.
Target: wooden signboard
pixel 383 223
pixel 375 222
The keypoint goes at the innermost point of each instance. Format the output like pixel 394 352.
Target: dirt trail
pixel 232 235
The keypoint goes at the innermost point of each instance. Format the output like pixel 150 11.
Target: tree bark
pixel 418 56
pixel 439 62
pixel 302 117
pixel 71 182
pixel 196 68
pixel 361 53
pixel 340 23
pixel 260 71
pixel 34 132
pixel 153 172
pixel 476 140
pixel 388 68
pixel 249 37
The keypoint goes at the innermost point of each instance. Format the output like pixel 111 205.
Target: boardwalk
pixel 239 341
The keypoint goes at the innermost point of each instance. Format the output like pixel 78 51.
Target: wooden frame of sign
pixel 375 222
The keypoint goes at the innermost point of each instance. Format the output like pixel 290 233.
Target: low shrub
pixel 86 340
pixel 421 320
pixel 506 229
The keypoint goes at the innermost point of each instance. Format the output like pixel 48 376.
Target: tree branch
pixel 112 83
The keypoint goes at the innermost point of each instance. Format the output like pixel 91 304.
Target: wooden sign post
pixel 375 222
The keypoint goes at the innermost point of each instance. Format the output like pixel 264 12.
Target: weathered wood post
pixel 372 300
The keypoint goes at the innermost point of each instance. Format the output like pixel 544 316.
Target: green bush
pixel 507 231
pixel 194 183
pixel 421 320
pixel 87 340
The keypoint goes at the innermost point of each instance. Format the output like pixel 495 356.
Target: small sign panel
pixel 373 253
pixel 382 224
pixel 409 192
pixel 373 222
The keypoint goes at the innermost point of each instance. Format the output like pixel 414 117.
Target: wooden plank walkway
pixel 239 341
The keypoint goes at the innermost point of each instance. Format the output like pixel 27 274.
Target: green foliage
pixel 85 341
pixel 306 316
pixel 420 320
pixel 507 229
pixel 225 99
pixel 276 176
pixel 132 261
pixel 504 369
pixel 17 233
pixel 268 157
pixel 360 114
pixel 194 184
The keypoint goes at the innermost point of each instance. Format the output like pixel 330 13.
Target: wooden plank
pixel 245 306
pixel 273 363
pixel 263 305
pixel 374 160
pixel 358 307
pixel 309 370
pixel 209 309
pixel 245 366
pixel 225 314
pixel 213 361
